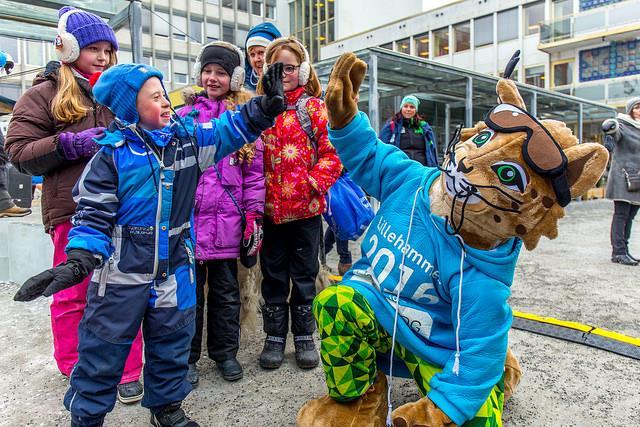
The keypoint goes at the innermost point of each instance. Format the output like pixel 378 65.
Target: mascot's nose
pixel 463 168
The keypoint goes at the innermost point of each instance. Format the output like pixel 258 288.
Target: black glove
pixel 79 264
pixel 272 102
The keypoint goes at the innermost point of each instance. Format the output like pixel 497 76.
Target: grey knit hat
pixel 632 103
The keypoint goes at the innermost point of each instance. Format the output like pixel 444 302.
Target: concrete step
pixel 25 249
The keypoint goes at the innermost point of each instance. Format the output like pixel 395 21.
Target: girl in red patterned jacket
pixel 298 172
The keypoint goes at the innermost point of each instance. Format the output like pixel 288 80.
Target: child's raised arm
pixel 233 129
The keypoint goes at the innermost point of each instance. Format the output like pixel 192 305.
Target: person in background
pixel 257 40
pixel 52 133
pixel 8 209
pixel 411 133
pixel 625 166
pixel 6 63
pixel 227 193
pixel 298 173
pixel 342 247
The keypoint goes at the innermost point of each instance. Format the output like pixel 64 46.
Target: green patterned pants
pixel 350 337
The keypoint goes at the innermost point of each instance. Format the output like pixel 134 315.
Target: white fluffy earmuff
pixel 67 46
pixel 237 78
pixel 305 66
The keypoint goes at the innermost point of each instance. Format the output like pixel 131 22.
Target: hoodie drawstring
pixel 395 320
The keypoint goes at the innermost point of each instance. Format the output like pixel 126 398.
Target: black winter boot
pixel 302 325
pixel 276 325
pixel 171 416
pixel 77 422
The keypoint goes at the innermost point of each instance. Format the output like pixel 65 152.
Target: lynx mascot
pixel 445 244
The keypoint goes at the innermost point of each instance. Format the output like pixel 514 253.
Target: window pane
pixel 462 36
pixel 483 31
pixel 534 76
pixel 216 2
pixel 227 3
pixel 163 66
pixel 508 25
pixel 179 24
pixel 563 74
pixel 161 24
pixel 180 78
pixel 533 16
pixel 421 45
pixel 146 21
pixel 315 10
pixel 195 30
pixel 243 5
pixel 441 42
pixel 331 35
pixel 9 90
pixel 270 11
pixel 227 34
pixel 387 46
pixel 330 9
pixel 213 32
pixel 256 8
pixel 35 55
pixel 124 56
pixel 180 66
pixel 241 35
pixel 10 46
pixel 562 8
pixel 402 46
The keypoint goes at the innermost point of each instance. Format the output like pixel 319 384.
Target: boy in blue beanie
pixel 132 226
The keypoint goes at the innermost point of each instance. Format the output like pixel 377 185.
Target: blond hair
pixel 293 45
pixel 67 105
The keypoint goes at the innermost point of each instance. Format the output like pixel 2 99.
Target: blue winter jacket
pixel 135 203
pixel 430 297
pixel 392 130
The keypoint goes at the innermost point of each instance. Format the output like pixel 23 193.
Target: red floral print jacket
pixel 295 183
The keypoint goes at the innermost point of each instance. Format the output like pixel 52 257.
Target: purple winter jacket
pixel 217 221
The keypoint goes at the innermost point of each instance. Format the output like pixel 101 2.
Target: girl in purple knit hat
pixel 51 134
pixel 230 194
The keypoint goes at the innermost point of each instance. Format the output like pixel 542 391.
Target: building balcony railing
pixel 613 20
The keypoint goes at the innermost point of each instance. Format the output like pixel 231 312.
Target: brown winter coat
pixel 32 143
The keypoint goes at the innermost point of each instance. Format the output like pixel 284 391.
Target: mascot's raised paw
pixel 342 91
pixel 423 413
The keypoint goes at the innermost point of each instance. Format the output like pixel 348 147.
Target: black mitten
pixel 75 269
pixel 272 101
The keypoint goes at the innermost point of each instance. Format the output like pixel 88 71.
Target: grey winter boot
pixel 276 325
pixel 302 325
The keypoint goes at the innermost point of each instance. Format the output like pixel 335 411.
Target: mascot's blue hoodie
pixel 438 293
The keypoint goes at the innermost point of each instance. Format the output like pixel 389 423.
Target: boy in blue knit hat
pixel 132 226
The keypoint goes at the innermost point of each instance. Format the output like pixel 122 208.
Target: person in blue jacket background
pixel 257 41
pixel 411 133
pixel 132 226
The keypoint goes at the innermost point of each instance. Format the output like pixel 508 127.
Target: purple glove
pixel 81 144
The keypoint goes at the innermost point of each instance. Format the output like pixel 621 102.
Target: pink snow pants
pixel 67 309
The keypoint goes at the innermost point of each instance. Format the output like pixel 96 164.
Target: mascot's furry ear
pixel 587 162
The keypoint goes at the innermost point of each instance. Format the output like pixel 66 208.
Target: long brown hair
pixel 292 45
pixel 67 105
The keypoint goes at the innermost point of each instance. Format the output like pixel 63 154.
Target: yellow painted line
pixel 579 327
pixel 564 323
